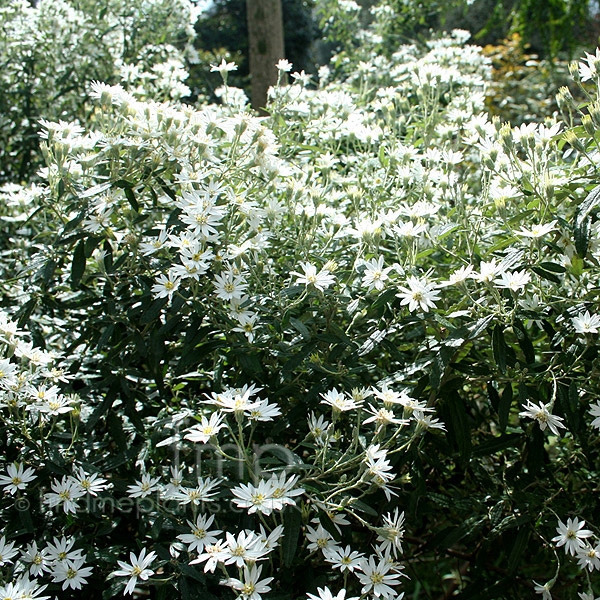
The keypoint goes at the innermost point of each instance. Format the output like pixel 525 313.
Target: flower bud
pixel 572 139
pixel 506 136
pixel 594 110
pixel 574 70
pixel 588 125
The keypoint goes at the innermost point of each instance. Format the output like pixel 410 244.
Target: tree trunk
pixel 265 40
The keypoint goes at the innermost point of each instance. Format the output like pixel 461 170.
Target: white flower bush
pixel 51 50
pixel 348 350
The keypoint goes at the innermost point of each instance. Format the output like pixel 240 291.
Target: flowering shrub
pixel 52 51
pixel 348 350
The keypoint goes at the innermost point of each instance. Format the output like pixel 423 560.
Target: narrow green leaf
pixel 446 230
pixel 509 440
pixel 477 328
pixel 458 423
pixel 47 271
pixel 297 359
pixel 151 313
pixel 192 572
pixel 499 347
pixel 524 342
pixel 518 549
pixel 504 407
pixel 78 265
pixel 493 396
pixel 72 224
pixel 360 505
pixel 292 522
pixel 550 266
pixel 300 327
pixel 545 274
pixel 184 589
pixel 131 199
pixel 24 313
pixel 581 228
pixel 585 208
pixel 535 450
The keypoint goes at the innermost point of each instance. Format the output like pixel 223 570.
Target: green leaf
pixel 24 313
pixel 112 589
pixel 131 199
pixel 192 572
pixel 115 428
pixel 360 505
pixel 47 271
pixel 184 589
pixel 72 224
pixel 504 407
pixel 568 401
pixel 581 228
pixel 550 266
pixel 250 363
pixel 457 421
pixel 477 328
pixel 576 266
pixel 78 265
pixel 499 347
pixel 524 342
pixel 25 516
pixel 297 359
pixel 496 444
pixel 535 450
pixel 493 396
pixel 106 335
pixel 292 522
pixel 581 235
pixel 94 190
pixel 151 314
pixel 545 274
pixel 446 230
pixel 300 328
pixel 127 188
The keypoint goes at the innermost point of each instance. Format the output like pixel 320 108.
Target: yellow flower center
pixel 376 578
